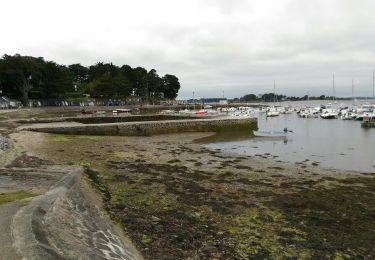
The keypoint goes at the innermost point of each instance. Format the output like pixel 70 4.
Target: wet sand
pixel 176 199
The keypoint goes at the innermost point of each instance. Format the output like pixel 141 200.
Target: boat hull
pixel 269 134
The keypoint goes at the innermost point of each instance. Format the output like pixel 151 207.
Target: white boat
pixel 348 115
pixel 122 110
pixel 329 114
pixel 270 133
pixel 272 112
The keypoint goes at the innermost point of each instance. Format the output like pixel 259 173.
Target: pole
pixel 373 84
pixel 353 92
pixel 193 101
pixel 274 91
pixel 333 98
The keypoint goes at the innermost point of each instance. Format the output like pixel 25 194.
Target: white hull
pixel 270 133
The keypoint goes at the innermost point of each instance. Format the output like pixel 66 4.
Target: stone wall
pixel 105 119
pixel 127 118
pixel 152 127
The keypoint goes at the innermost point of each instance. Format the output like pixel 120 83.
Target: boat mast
pixel 353 92
pixel 373 84
pixel 274 92
pixel 333 98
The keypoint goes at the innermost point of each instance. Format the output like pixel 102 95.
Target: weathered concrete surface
pixel 64 222
pixel 150 127
pixel 7 211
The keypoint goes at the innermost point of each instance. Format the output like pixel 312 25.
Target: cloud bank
pixel 238 47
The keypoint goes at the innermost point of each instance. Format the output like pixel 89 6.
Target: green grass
pixel 14 196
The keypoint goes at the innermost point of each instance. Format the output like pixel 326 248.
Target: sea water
pixel 335 143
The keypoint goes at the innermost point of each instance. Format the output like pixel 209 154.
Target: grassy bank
pixel 15 196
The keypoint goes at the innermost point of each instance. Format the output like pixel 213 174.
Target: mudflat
pixel 177 199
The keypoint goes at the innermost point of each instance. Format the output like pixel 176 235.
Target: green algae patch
pixel 71 138
pixel 15 196
pixel 260 232
pixel 132 196
pixel 98 185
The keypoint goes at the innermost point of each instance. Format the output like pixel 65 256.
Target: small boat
pixel 272 113
pixel 329 114
pixel 283 133
pixel 121 110
pixel 200 113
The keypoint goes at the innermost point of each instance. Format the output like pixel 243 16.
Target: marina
pixel 338 144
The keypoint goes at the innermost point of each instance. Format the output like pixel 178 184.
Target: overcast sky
pixel 235 46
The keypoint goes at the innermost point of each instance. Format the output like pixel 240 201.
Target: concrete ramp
pixel 64 223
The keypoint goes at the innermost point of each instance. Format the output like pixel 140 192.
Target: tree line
pixel 271 97
pixel 27 77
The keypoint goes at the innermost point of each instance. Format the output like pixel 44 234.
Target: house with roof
pixel 9 103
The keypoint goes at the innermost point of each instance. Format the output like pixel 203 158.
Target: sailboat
pixel 330 113
pixel 272 111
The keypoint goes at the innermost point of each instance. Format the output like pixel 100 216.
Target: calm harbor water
pixel 335 144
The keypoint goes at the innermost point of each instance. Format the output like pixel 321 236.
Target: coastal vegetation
pixel 26 77
pixel 14 196
pixel 271 97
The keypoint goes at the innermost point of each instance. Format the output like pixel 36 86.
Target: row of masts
pixel 333 83
pixel 373 86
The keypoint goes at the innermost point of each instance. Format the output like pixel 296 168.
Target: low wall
pixel 127 118
pixel 94 119
pixel 152 127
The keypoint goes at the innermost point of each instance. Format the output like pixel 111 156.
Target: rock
pixel 197 215
pixel 257 234
pixel 155 219
pixel 209 249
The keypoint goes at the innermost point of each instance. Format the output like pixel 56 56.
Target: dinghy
pixel 271 133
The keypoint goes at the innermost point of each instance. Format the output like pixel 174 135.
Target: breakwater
pixel 146 128
pixel 94 119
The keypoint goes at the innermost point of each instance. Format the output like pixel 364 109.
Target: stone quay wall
pixel 105 119
pixel 152 127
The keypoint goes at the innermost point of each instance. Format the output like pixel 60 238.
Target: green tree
pixel 171 86
pixel 79 72
pixel 108 87
pixel 18 74
pixel 153 84
pixel 57 80
pixel 140 86
pixel 249 97
pixel 101 69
